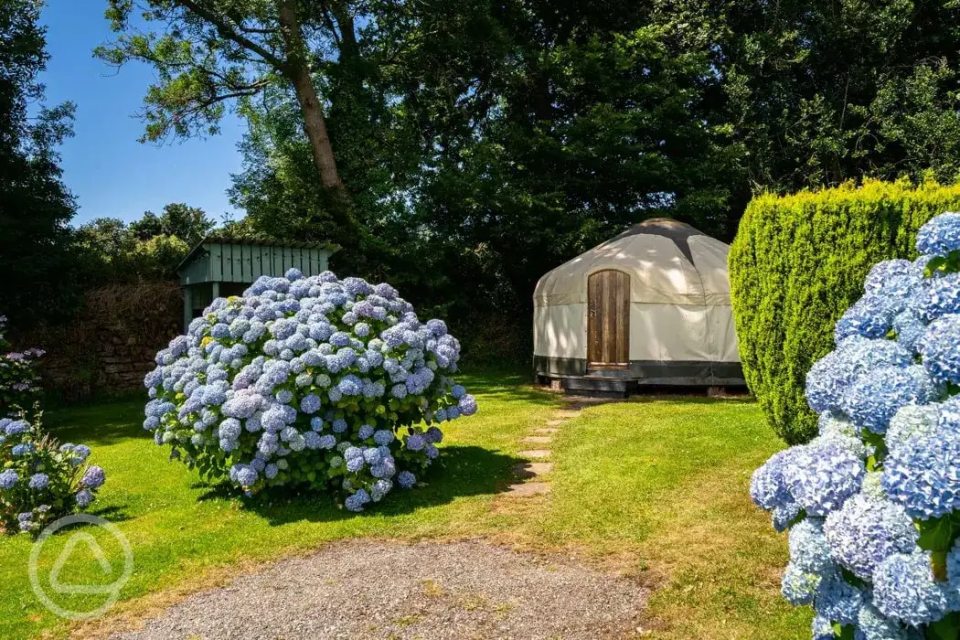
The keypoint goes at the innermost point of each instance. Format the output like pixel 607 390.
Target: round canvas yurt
pixel 651 305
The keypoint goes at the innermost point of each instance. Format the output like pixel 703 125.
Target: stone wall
pixel 110 345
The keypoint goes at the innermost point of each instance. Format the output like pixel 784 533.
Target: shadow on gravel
pixel 461 471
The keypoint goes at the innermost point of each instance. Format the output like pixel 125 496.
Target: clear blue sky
pixel 109 172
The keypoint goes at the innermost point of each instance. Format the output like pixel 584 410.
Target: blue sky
pixel 109 172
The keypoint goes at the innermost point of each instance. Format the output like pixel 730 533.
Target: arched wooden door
pixel 608 318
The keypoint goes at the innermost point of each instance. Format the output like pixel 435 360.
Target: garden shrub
pixel 40 479
pixel 872 504
pixel 308 382
pixel 797 262
pixel 19 379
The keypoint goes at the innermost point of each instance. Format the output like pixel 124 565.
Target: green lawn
pixel 655 488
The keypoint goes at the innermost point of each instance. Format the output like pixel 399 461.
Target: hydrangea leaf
pixel 948 628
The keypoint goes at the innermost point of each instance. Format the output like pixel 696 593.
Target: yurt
pixel 650 306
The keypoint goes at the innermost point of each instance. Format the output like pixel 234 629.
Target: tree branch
pixel 228 31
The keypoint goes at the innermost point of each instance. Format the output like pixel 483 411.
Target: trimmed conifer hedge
pixel 798 262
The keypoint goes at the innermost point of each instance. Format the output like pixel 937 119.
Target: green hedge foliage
pixel 797 262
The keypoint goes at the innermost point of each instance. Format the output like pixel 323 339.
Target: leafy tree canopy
pixel 35 206
pixel 149 248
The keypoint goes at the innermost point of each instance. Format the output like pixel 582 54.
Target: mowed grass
pixel 662 485
pixel 655 488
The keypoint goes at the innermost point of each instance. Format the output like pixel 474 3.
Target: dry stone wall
pixel 110 345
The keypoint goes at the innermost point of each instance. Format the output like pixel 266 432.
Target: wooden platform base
pixel 599 386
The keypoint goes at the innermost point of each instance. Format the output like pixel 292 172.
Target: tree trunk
pixel 297 70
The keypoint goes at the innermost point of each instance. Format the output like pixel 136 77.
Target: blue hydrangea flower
pixel 938 348
pixel 230 429
pixel 871 317
pixel 821 475
pixel 310 403
pixel 22 449
pixel 328 441
pixel 406 479
pixel 383 437
pixel 836 599
pixel 923 475
pixel 783 516
pixel 467 405
pixel 93 477
pixel 380 488
pixel 768 489
pixel 875 626
pixel 940 235
pixel 938 297
pixel 809 550
pixel 830 376
pixel 909 329
pixel 39 481
pixel 799 586
pixel 832 424
pixel 246 475
pixel 16 427
pixel 904 589
pixel 873 399
pixel 822 629
pixel 8 479
pixel 416 442
pixel 84 498
pixel 356 501
pixel 355 464
pixel 864 532
pixel 912 421
pixel 894 278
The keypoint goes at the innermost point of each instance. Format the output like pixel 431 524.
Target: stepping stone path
pixel 529 475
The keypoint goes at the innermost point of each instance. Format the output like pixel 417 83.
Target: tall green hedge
pixel 798 262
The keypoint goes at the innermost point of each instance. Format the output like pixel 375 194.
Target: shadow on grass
pixel 114 514
pixel 100 424
pixel 462 471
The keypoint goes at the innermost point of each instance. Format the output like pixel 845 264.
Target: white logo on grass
pixel 82 541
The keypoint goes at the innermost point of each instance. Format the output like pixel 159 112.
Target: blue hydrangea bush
pixel 317 383
pixel 872 505
pixel 19 377
pixel 40 479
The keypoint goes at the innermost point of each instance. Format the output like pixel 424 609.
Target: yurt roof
pixel 668 262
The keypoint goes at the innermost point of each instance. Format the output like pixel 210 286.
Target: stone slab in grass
pixel 546 430
pixel 555 423
pixel 535 453
pixel 527 489
pixel 532 469
pixel 368 590
pixel 538 439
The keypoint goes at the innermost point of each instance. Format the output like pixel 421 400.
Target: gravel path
pixel 426 590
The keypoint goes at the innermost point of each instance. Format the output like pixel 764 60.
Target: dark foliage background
pixel 479 143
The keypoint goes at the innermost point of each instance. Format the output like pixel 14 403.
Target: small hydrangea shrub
pixel 19 379
pixel 872 504
pixel 318 383
pixel 40 479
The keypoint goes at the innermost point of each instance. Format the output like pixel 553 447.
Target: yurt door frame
pixel 608 319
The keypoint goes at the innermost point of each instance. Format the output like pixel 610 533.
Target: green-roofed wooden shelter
pixel 220 266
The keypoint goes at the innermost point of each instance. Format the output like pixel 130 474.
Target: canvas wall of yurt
pixel 651 305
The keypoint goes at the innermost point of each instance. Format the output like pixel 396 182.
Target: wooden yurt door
pixel 608 318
